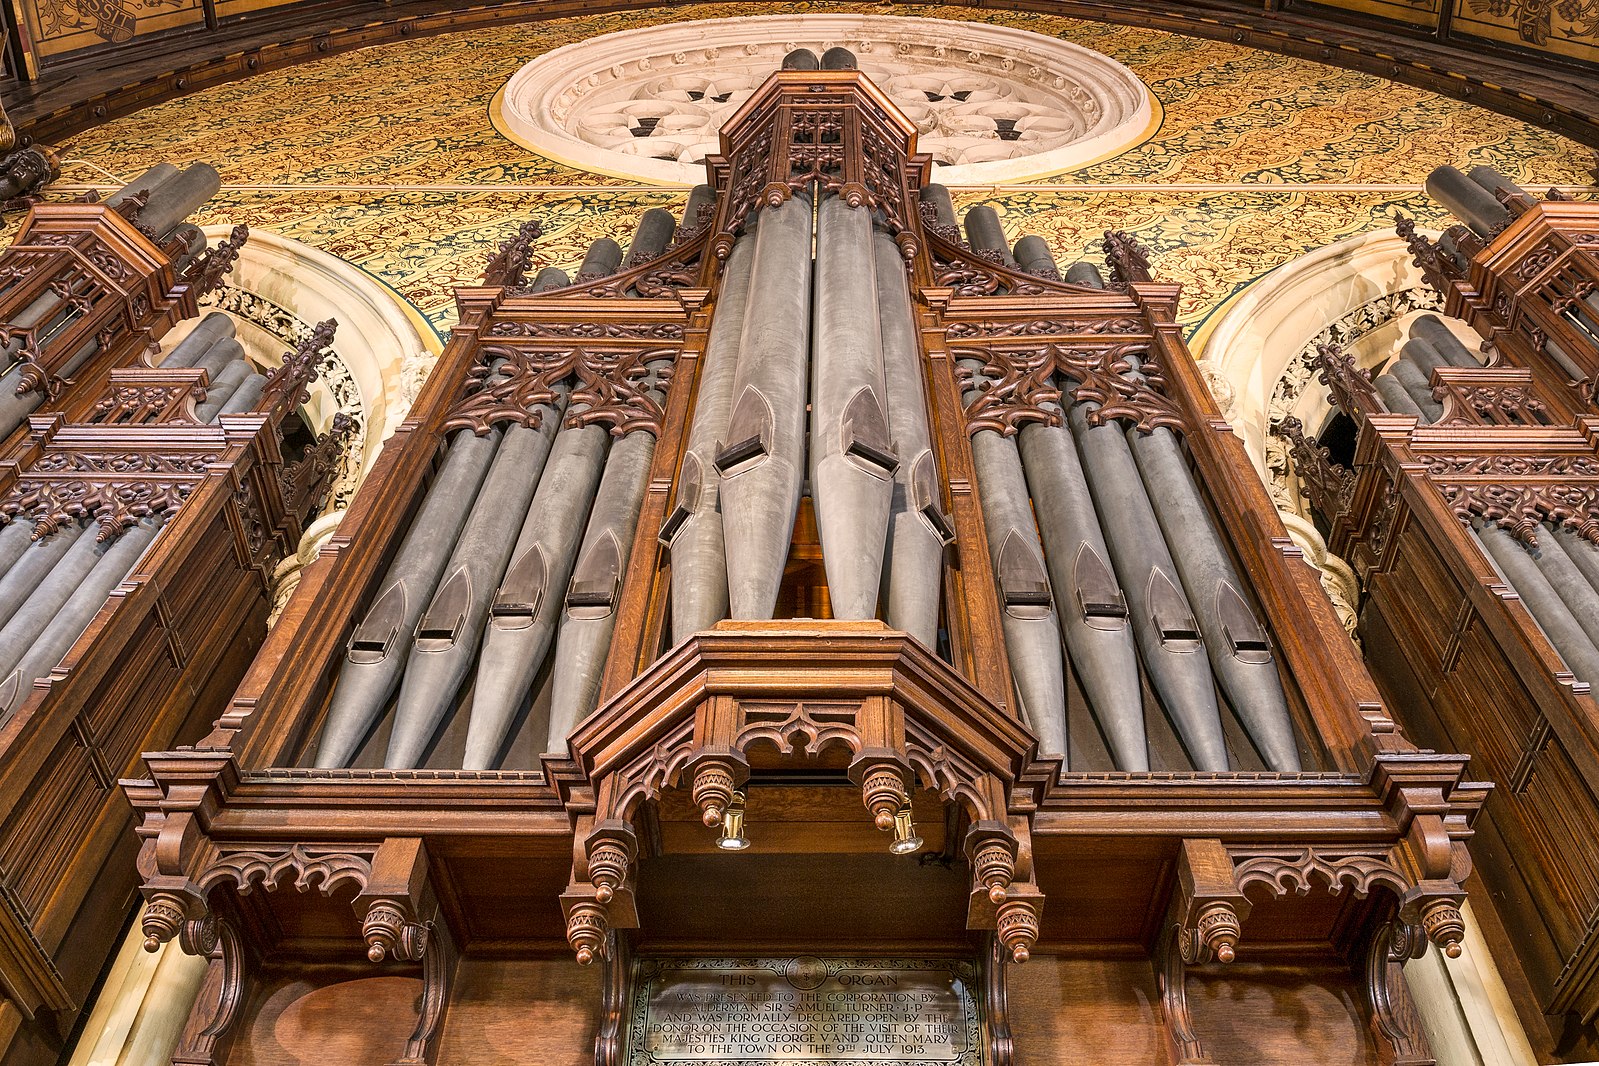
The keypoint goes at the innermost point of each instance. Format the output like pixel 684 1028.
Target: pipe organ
pixel 144 509
pixel 812 632
pixel 1469 509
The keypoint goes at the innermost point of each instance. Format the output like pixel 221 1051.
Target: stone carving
pixel 289 329
pixel 650 103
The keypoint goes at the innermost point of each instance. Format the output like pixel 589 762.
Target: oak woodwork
pixel 825 726
pixel 118 443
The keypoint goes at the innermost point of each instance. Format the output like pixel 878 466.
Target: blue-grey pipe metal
pixel 528 603
pixel 34 565
pixel 593 596
pixel 115 561
pixel 1167 632
pixel 15 539
pixel 173 200
pixel 1413 381
pixel 1239 646
pixel 1027 610
pixel 1089 604
pixel 694 527
pixel 449 631
pixel 376 655
pixel 246 396
pixel 1431 329
pixel 1468 201
pixel 1395 398
pixel 762 461
pixel 214 327
pixel 1569 582
pixel 46 600
pixel 918 526
pixel 149 181
pixel 1543 602
pixel 852 459
pixel 222 389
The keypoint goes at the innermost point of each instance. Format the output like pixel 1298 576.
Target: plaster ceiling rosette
pixel 991 104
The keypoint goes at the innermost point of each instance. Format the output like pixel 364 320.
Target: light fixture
pixel 733 838
pixel 906 842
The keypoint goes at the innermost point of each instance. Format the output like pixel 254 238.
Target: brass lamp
pixel 733 838
pixel 906 842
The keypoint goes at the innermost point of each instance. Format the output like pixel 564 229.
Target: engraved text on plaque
pixel 804 1011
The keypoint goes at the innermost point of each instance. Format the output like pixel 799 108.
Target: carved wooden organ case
pixel 193 517
pixel 821 732
pixel 1467 531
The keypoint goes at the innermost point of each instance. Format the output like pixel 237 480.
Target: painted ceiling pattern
pixel 387 158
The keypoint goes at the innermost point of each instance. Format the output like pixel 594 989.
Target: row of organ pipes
pixel 54 580
pixel 1105 550
pixel 172 195
pixel 1556 573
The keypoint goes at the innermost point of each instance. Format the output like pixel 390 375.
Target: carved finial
pixel 586 928
pixel 883 791
pixel 1352 390
pixel 994 867
pixel 1128 260
pixel 1018 928
pixel 1328 485
pixel 508 265
pixel 382 929
pixel 713 791
pixel 206 272
pixel 287 385
pixel 1437 269
pixel 1218 930
pixel 609 861
pixel 163 918
pixel 1445 926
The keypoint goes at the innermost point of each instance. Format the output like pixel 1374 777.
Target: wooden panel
pixel 516 1012
pixel 1415 12
pixel 1557 811
pixel 60 804
pixel 1072 1011
pixel 60 26
pixel 319 1017
pixel 1268 1015
pixel 837 898
pixel 1563 30
pixel 1487 698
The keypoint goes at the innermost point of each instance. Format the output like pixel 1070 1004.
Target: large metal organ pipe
pixel 762 459
pixel 918 528
pixel 1239 647
pixel 375 657
pixel 1027 611
pixel 589 615
pixel 448 632
pixel 1075 513
pixel 108 564
pixel 1090 604
pixel 852 460
pixel 527 605
pixel 519 546
pixel 699 562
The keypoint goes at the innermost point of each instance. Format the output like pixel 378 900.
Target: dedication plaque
pixel 804 1011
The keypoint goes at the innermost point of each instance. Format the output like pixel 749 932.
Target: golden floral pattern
pixel 386 157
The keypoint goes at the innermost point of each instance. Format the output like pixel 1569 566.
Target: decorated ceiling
pixel 389 158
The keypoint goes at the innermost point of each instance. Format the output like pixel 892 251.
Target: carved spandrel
pixel 609 386
pixel 1021 385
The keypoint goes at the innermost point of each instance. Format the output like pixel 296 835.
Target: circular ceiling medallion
pixel 990 103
